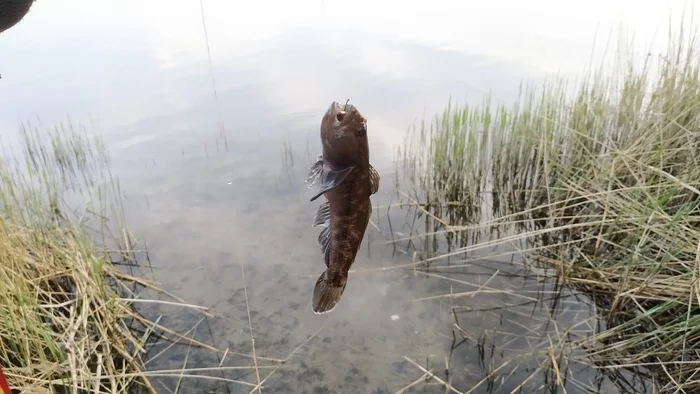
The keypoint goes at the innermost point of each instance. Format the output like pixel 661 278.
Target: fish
pixel 344 176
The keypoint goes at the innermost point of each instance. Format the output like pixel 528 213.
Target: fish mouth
pixel 339 112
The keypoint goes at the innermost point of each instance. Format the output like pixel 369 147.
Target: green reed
pixel 600 179
pixel 68 322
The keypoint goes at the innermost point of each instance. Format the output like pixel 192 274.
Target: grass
pixel 597 180
pixel 69 320
pixel 77 313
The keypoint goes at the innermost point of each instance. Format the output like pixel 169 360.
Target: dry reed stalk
pixel 600 181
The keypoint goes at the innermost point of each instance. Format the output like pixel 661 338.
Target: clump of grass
pixel 600 180
pixel 67 316
pixel 61 322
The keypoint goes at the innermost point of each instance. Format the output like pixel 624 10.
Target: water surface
pixel 211 136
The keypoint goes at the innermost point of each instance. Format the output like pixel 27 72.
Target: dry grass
pixel 69 315
pixel 598 180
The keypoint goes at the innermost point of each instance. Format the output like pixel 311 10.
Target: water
pixel 211 148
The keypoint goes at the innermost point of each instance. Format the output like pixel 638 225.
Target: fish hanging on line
pixel 347 180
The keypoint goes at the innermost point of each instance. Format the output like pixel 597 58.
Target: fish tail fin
pixel 326 295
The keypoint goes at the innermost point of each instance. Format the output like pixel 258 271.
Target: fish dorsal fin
pixel 373 180
pixel 323 215
pixel 330 179
pixel 324 241
pixel 327 253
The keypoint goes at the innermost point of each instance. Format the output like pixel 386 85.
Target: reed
pixel 597 179
pixel 68 320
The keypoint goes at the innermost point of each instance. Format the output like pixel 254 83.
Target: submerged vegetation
pixel 598 181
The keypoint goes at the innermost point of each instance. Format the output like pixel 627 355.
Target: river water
pixel 210 111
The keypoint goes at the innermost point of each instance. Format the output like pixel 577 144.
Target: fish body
pixel 347 180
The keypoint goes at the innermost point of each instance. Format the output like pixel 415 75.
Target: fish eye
pixel 340 116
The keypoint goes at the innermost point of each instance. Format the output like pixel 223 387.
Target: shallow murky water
pixel 211 136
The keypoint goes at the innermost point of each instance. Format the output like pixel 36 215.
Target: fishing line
pixel 223 130
pixel 222 134
pixel 206 39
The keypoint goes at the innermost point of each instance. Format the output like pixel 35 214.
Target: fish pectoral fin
pixel 331 179
pixel 323 215
pixel 313 177
pixel 373 180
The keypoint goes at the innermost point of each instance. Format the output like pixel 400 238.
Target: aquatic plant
pixel 68 291
pixel 599 180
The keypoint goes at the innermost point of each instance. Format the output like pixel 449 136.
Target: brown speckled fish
pixel 343 174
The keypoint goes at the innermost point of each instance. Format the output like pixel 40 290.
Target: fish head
pixel 344 133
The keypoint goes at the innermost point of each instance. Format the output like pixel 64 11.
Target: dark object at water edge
pixel 12 11
pixel 347 180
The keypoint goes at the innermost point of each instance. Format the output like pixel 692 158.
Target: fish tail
pixel 326 295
